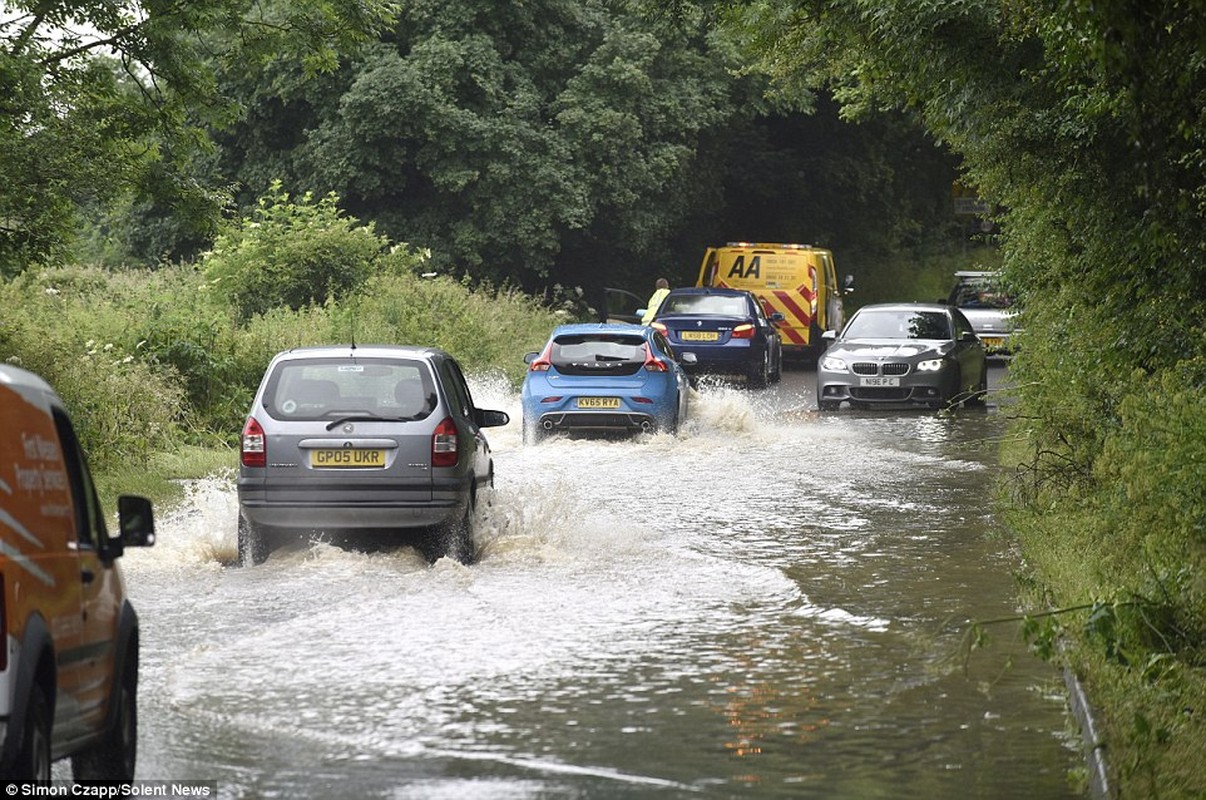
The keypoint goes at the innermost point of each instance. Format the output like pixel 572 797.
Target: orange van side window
pixel 89 521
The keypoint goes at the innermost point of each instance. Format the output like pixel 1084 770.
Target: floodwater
pixel 772 604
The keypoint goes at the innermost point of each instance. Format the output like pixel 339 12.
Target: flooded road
pixel 769 605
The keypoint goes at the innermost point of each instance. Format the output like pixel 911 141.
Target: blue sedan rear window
pixel 598 353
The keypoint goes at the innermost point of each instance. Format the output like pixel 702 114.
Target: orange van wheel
pixel 114 758
pixel 33 761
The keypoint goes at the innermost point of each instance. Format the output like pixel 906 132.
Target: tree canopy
pixel 101 99
pixel 492 132
pixel 1085 125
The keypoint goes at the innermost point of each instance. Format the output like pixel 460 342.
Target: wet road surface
pixel 771 604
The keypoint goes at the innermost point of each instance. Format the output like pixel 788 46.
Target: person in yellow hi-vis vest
pixel 661 289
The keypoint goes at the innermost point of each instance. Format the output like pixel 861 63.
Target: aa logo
pixel 739 270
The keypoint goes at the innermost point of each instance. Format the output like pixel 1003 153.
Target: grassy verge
pixel 163 477
pixel 1149 707
pixel 1117 561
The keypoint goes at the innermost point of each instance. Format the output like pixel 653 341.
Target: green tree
pixel 578 142
pixel 103 98
pixel 491 131
pixel 1085 123
pixel 293 254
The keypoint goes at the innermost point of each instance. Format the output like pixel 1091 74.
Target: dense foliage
pixel 291 255
pixel 490 131
pixel 571 142
pixel 593 142
pixel 150 358
pixel 103 101
pixel 1084 123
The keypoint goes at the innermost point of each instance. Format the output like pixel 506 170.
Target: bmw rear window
pixel 326 388
pixel 719 305
pixel 591 354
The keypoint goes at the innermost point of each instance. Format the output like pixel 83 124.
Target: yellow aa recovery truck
pixel 797 280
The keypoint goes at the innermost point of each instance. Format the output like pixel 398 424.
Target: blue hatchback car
pixel 603 378
pixel 726 330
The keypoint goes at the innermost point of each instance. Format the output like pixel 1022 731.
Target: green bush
pixel 1155 462
pixel 150 359
pixel 1112 516
pixel 292 254
pixel 57 325
pixel 487 329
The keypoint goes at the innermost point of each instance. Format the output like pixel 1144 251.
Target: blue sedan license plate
pixel 598 402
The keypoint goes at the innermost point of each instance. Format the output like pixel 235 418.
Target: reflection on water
pixel 766 605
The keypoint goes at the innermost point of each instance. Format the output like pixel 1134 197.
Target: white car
pixel 991 311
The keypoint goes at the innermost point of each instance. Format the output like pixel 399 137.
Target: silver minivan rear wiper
pixel 371 418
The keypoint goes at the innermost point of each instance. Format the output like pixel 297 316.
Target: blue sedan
pixel 601 378
pixel 726 330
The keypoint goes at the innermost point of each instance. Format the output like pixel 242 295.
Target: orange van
pixel 69 661
pixel 797 280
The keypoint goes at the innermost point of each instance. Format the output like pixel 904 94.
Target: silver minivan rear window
pixel 324 388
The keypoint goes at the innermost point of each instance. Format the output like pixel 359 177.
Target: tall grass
pixel 149 361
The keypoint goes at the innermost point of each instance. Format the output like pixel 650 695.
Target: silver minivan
pixel 363 440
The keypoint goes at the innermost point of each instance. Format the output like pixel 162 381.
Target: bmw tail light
pixel 653 363
pixel 745 331
pixel 444 444
pixel 253 452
